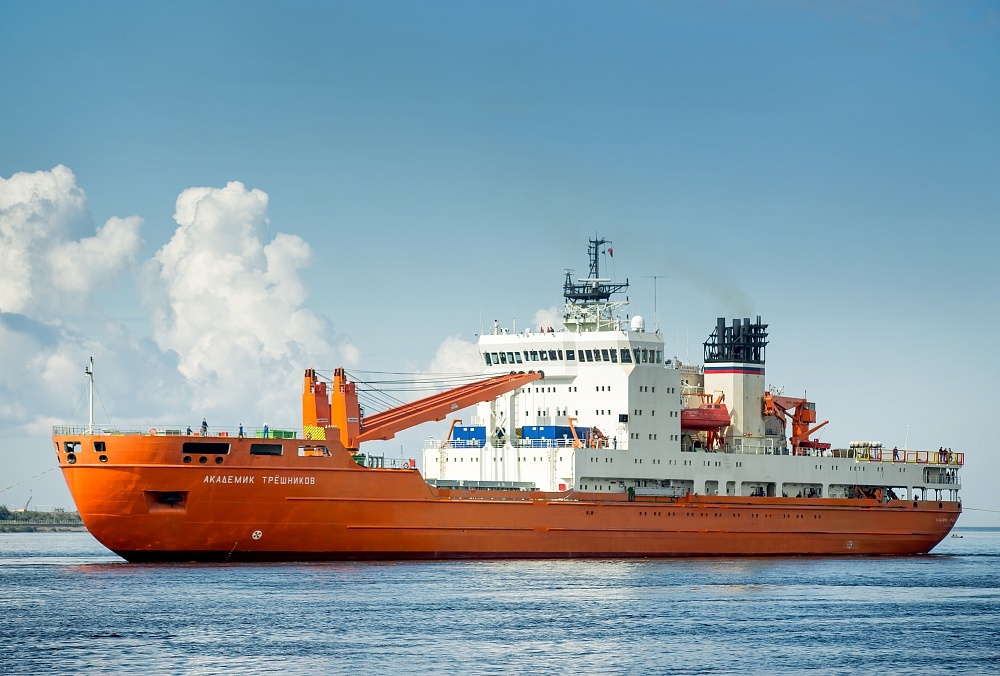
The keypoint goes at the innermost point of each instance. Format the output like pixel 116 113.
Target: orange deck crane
pixel 802 413
pixel 337 405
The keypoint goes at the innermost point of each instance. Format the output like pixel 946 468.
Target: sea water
pixel 67 605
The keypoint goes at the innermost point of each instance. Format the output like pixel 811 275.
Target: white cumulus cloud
pixel 456 356
pixel 548 317
pixel 41 269
pixel 228 301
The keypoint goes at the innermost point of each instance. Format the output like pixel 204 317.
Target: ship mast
pixel 90 374
pixel 584 309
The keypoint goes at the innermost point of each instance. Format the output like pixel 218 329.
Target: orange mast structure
pixel 338 406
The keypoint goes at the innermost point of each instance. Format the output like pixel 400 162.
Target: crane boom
pixel 802 413
pixel 338 406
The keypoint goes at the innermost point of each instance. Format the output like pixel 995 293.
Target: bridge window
pixel 589 354
pixel 496 358
pixel 626 356
pixel 205 448
pixel 614 356
pixel 503 358
pixel 597 355
pixel 604 354
pixel 543 355
pixel 570 355
pixel 517 357
pixel 552 355
pixel 534 355
pixel 559 352
pixel 314 451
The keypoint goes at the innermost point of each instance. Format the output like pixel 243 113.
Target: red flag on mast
pixel 610 252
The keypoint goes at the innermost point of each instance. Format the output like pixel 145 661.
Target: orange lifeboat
pixel 706 418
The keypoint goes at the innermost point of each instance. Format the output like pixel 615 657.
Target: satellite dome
pixel 638 324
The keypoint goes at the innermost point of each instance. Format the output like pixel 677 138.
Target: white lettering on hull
pixel 228 479
pixel 249 479
pixel 283 480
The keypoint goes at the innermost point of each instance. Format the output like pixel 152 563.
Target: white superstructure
pixel 607 417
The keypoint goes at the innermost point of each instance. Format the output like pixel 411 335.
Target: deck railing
pixel 175 431
pixel 944 458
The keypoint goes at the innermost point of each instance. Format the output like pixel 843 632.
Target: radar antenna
pixel 593 288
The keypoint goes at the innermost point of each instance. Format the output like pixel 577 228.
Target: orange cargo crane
pixel 451 430
pixel 802 413
pixel 337 406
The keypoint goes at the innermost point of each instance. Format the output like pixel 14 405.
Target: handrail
pixel 175 431
pixel 883 455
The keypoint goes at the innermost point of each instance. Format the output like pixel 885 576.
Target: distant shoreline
pixel 980 529
pixel 28 521
pixel 42 528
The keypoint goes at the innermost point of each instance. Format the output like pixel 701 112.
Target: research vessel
pixel 585 442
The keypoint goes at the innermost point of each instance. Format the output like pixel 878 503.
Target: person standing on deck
pixel 204 427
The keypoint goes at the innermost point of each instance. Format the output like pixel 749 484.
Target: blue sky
pixel 409 170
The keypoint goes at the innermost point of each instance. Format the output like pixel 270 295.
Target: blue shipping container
pixel 547 432
pixel 472 433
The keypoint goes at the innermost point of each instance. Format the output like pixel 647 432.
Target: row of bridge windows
pixel 614 355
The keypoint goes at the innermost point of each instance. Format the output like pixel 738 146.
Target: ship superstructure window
pixel 71 446
pixel 605 355
pixel 99 447
pixel 597 355
pixel 589 354
pixel 570 355
pixel 614 356
pixel 503 358
pixel 559 352
pixel 543 355
pixel 265 449
pixel 205 448
pixel 626 356
pixel 534 355
pixel 314 451
pixel 516 355
pixel 552 355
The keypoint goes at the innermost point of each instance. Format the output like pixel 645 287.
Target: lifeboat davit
pixel 706 418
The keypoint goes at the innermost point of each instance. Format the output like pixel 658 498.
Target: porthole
pixel 71 459
pixel 218 460
pixel 203 460
pixel 103 458
pixel 187 459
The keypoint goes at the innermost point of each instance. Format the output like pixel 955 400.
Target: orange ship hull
pixel 141 499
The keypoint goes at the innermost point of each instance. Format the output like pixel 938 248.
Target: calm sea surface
pixel 67 605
